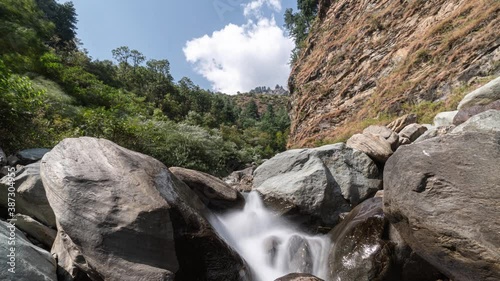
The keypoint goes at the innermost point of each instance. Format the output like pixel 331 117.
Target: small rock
pixel 403 121
pixel 391 136
pixel 404 141
pixel 299 277
pixel 372 145
pixel 380 194
pixel 413 131
pixel 40 232
pixel 445 118
pixel 482 96
pixel 241 180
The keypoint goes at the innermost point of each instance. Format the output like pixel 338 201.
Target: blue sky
pixel 232 45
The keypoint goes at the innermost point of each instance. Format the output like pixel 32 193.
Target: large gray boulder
pixel 28 156
pixel 319 183
pixel 442 196
pixel 31 262
pixel 31 199
pixel 214 193
pixel 482 96
pixel 122 215
pixel 486 122
pixel 42 233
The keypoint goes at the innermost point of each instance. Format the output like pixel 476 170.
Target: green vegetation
pixel 50 90
pixel 299 23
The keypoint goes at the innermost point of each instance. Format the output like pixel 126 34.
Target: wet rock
pixel 299 277
pixel 403 121
pixel 299 255
pixel 377 147
pixel 31 199
pixel 122 215
pixel 445 118
pixel 413 131
pixel 358 251
pixel 28 156
pixel 486 122
pixel 319 183
pixel 31 262
pixel 213 192
pixel 482 96
pixel 442 197
pixel 33 228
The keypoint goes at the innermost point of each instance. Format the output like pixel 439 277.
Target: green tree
pixel 299 23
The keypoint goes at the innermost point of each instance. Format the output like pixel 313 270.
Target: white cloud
pixel 255 6
pixel 240 58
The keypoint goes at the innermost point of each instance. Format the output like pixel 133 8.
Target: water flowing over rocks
pixel 31 262
pixel 442 195
pixel 318 183
pixel 122 215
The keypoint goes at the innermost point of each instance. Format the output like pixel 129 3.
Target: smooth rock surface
pixel 445 118
pixel 31 262
pixel 466 113
pixel 486 122
pixel 482 96
pixel 442 196
pixel 391 136
pixel 35 229
pixel 319 183
pixel 298 277
pixel 413 131
pixel 28 156
pixel 213 192
pixel 122 215
pixel 31 199
pixel 375 146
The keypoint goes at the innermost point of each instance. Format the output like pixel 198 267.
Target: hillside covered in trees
pixel 50 89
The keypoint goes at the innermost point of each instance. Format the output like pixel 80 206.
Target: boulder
pixel 466 113
pixel 486 122
pixel 33 228
pixel 366 247
pixel 403 121
pixel 442 196
pixel 28 156
pixel 317 183
pixel 31 199
pixel 391 136
pixel 213 192
pixel 482 96
pixel 299 277
pixel 358 251
pixel 435 132
pixel 445 118
pixel 122 215
pixel 31 262
pixel 412 131
pixel 241 180
pixel 375 146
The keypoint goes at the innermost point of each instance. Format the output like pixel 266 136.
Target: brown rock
pixel 403 121
pixel 388 134
pixel 374 146
pixel 299 277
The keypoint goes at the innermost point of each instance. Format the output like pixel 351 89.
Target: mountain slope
pixel 368 61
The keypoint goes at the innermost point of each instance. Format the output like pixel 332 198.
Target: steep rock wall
pixel 368 61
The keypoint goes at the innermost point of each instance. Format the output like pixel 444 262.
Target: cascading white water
pixel 271 246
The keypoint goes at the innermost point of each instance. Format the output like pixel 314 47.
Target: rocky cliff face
pixel 373 60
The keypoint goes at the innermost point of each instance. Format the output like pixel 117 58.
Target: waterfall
pixel 272 246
